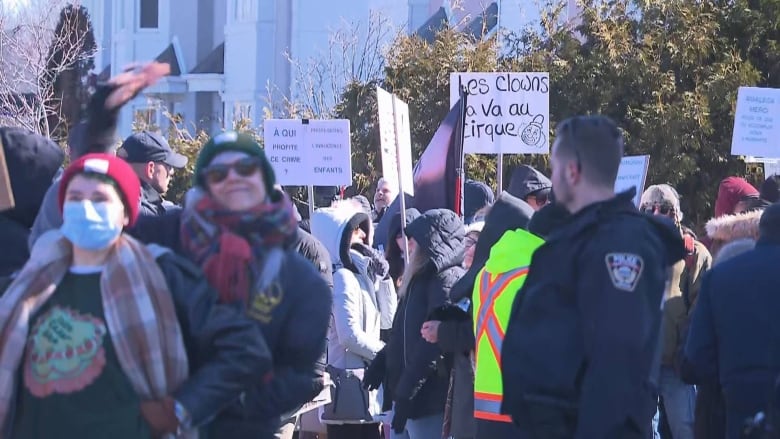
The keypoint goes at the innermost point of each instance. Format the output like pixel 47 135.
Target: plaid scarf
pixel 230 246
pixel 139 315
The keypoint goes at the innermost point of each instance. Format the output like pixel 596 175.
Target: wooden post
pixel 6 191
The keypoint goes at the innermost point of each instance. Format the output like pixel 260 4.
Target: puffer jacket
pixel 413 370
pixel 353 337
pixel 33 162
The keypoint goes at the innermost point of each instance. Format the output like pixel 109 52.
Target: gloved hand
pixel 375 373
pixel 401 415
pixel 160 415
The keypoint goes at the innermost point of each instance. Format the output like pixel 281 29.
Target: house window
pixel 242 111
pixel 243 10
pixel 149 14
pixel 146 119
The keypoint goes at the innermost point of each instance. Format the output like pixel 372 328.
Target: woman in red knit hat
pixel 102 336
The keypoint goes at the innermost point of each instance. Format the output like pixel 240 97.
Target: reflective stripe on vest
pixel 488 328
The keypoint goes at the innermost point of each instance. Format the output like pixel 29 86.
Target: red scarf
pixel 230 246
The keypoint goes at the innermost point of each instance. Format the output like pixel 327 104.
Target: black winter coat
pixel 414 371
pixel 312 249
pixel 295 333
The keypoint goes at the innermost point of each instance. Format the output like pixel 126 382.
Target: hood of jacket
pixel 440 233
pixel 330 224
pixel 525 180
pixel 728 228
pixel 730 191
pixel 504 254
pixel 507 213
pixel 476 195
pixel 33 162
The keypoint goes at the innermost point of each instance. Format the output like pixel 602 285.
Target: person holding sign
pixel 583 333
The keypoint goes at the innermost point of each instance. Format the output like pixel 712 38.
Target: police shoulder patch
pixel 624 270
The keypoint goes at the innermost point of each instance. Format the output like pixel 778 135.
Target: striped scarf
pixel 230 246
pixel 139 314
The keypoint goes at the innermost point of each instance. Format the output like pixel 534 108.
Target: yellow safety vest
pixel 494 292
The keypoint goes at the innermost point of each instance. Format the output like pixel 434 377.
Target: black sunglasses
pixel 219 172
pixel 663 208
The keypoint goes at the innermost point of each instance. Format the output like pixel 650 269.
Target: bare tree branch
pixel 28 45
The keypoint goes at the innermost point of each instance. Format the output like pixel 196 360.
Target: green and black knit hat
pixel 233 141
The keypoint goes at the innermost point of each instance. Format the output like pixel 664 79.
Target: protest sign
pixel 395 122
pixel 507 113
pixel 309 152
pixel 6 190
pixel 757 123
pixel 632 172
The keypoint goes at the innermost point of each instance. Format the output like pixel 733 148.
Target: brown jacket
pixel 686 276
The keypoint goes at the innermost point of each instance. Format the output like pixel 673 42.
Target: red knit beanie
pixel 112 167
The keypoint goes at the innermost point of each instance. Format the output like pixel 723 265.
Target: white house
pixel 226 54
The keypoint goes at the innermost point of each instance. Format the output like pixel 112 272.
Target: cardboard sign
pixel 392 152
pixel 309 153
pixel 757 123
pixel 632 172
pixel 6 190
pixel 507 113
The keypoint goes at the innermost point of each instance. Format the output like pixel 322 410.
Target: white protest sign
pixel 507 113
pixel 771 167
pixel 388 127
pixel 309 153
pixel 632 173
pixel 757 123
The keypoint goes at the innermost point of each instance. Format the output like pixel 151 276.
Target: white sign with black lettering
pixel 393 152
pixel 757 123
pixel 506 113
pixel 632 172
pixel 309 153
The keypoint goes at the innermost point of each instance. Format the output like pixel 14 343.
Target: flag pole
pixel 460 171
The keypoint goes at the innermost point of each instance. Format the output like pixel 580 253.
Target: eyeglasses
pixel 663 208
pixel 217 173
pixel 542 197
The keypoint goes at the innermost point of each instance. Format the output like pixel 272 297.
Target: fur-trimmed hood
pixel 728 228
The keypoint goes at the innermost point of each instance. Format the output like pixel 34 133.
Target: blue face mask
pixel 89 225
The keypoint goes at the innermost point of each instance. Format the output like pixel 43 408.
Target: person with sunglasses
pixel 676 397
pixel 240 228
pixel 531 186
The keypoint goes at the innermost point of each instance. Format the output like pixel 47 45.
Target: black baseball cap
pixel 146 146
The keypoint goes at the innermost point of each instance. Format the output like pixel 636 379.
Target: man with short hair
pixel 154 162
pixel 383 197
pixel 583 334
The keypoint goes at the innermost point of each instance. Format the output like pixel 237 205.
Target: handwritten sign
pixel 391 151
pixel 309 153
pixel 632 172
pixel 507 113
pixel 6 190
pixel 757 123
